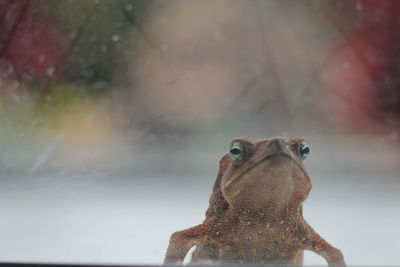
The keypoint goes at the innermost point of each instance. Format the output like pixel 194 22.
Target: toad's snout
pixel 277 146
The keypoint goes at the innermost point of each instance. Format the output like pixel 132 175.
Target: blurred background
pixel 114 115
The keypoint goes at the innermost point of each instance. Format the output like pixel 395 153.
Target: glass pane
pixel 114 116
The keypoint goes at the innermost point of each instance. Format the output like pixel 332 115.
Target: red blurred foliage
pixel 364 69
pixel 29 43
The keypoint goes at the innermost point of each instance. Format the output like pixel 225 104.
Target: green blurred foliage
pixel 99 33
pixel 99 37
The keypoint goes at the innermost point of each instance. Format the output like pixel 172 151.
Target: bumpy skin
pixel 255 211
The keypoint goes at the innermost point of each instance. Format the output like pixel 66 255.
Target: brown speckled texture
pixel 255 211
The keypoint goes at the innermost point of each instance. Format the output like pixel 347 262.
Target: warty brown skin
pixel 255 211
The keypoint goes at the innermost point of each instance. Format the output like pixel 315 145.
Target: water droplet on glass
pixel 217 34
pixel 164 47
pixel 16 98
pixel 100 85
pixel 129 7
pixel 42 58
pixel 346 65
pixel 115 38
pixel 50 71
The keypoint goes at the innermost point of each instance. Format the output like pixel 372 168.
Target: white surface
pixel 123 217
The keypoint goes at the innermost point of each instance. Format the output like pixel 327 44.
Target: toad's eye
pixel 304 150
pixel 238 152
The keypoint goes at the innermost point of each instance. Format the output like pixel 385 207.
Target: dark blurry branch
pixel 272 63
pixel 154 47
pixel 46 90
pixel 138 28
pixel 9 35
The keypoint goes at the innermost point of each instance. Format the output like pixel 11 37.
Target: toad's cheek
pixel 230 192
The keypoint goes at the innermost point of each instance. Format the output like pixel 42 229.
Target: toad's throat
pixel 258 161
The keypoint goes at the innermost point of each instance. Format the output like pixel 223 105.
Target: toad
pixel 255 209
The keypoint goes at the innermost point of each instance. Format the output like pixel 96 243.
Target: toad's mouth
pixel 282 158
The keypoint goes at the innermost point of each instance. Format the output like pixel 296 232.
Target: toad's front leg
pixel 180 242
pixel 317 244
